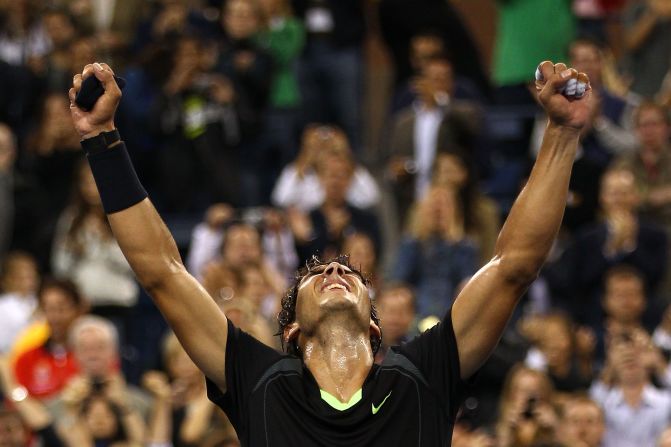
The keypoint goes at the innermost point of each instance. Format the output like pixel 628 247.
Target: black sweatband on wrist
pixel 117 182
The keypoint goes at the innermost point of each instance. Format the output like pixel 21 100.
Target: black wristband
pixel 100 142
pixel 117 182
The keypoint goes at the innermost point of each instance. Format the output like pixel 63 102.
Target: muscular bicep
pixel 199 324
pixel 481 312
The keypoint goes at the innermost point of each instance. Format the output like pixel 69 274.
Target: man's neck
pixel 339 360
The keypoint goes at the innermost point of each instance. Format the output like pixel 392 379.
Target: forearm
pixel 533 223
pixel 160 425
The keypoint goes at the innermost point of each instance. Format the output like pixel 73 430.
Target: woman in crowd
pixel 86 253
pixel 526 413
pixel 482 221
pixel 435 256
pixel 19 280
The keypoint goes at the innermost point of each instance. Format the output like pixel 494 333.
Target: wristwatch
pixel 100 142
pixel 18 394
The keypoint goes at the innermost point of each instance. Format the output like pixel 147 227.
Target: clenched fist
pixel 101 117
pixel 565 94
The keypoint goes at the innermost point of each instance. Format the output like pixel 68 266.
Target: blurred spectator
pixel 324 229
pixel 622 238
pixel 564 352
pixel 284 39
pixel 243 315
pixel 361 251
pixel 45 369
pixel 198 120
pixel 249 68
pixel 86 252
pixel 114 23
pixel 98 418
pixel 7 156
pixel 24 419
pixel 400 20
pixel 396 306
pixel 95 344
pixel 45 177
pixel 257 289
pixel 191 412
pixel 159 425
pixel 526 413
pixel 240 248
pixel 435 256
pixel 482 220
pixel 524 38
pixel 19 280
pixel 331 70
pixel 299 186
pixel 55 67
pixel 436 122
pixel 425 46
pixel 664 439
pixel 626 393
pixel 22 37
pixel 651 164
pixel 582 423
pixel 647 39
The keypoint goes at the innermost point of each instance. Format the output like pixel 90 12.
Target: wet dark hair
pixel 287 315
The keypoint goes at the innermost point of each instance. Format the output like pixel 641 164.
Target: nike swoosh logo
pixel 376 409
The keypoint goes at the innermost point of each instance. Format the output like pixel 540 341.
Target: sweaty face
pixel 331 290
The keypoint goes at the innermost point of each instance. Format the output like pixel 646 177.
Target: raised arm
pixel 482 309
pixel 143 237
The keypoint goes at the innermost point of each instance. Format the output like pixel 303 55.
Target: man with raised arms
pixel 326 390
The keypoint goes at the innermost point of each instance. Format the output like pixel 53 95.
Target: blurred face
pixel 618 192
pixel 450 172
pixel 83 51
pixel 526 385
pixel 438 208
pixel 422 49
pixel 397 312
pixel 438 77
pixel 625 358
pixel 240 19
pixel 586 58
pixel 335 176
pixel 95 352
pixel 59 310
pixel 242 247
pixel 59 29
pixel 624 299
pixel 12 431
pixel 188 53
pixel 665 438
pixel 21 276
pixel 100 419
pixel 584 422
pixel 332 290
pixel 361 252
pixel 652 130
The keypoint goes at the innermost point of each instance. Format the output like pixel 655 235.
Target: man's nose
pixel 334 268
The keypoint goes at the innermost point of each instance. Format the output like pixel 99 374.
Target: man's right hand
pixel 569 112
pixel 101 118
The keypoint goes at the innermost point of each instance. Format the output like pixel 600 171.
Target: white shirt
pixel 427 123
pixel 306 193
pixel 632 427
pixel 16 312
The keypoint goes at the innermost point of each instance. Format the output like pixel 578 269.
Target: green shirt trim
pixel 335 403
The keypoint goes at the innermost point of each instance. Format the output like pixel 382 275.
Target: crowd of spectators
pixel 246 124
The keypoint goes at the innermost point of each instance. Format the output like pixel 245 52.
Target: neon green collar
pixel 335 403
